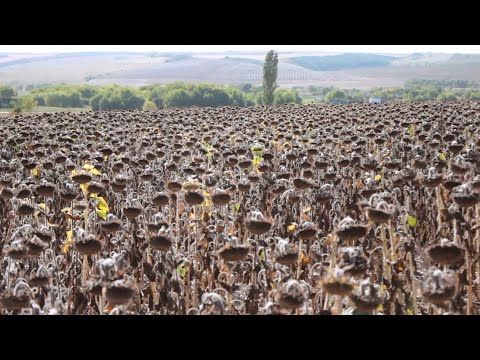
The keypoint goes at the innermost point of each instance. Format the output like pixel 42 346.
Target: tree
pixel 95 102
pixel 29 103
pixel 246 88
pixel 473 95
pixel 448 96
pixel 156 96
pixel 270 73
pixel 64 98
pixel 312 89
pixel 284 96
pixel 7 95
pixel 117 98
pixel 336 96
pixel 26 103
pixel 130 100
pixel 149 105
pixel 177 98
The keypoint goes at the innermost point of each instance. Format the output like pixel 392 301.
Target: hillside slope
pixel 295 69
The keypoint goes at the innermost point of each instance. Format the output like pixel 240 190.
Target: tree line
pixel 179 94
pixel 116 97
pixel 413 91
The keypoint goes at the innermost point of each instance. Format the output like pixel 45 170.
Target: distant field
pixel 295 69
pixel 341 62
pixel 73 70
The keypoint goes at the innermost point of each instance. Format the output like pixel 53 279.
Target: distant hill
pixel 45 58
pixel 341 62
pixel 301 69
pixel 465 58
pixel 245 60
pixel 178 57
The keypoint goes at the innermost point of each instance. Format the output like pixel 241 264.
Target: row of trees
pixel 411 93
pixel 7 95
pixel 256 95
pixel 9 99
pixel 426 93
pixel 114 97
pixel 74 96
pixel 180 94
pixel 462 84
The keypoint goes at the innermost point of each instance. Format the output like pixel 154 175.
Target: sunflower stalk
pixel 386 261
pixel 413 281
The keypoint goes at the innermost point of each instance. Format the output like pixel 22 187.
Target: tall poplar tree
pixel 270 73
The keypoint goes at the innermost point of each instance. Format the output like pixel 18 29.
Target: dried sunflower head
pixel 439 286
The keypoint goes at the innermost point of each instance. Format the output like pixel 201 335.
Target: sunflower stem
pixel 229 294
pixel 177 223
pixel 386 265
pixel 439 209
pixel 84 270
pixel 469 285
pixel 414 284
pixel 299 260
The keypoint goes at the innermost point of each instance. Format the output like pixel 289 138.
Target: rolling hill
pixel 342 61
pixel 295 69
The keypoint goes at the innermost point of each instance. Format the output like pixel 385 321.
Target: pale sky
pixel 472 49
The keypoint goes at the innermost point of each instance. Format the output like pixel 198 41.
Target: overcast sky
pixel 473 49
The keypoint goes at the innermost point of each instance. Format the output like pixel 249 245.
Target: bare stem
pixel 229 295
pixel 414 283
pixel 439 209
pixel 177 223
pixel 469 286
pixel 84 270
pixel 299 260
pixel 386 265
